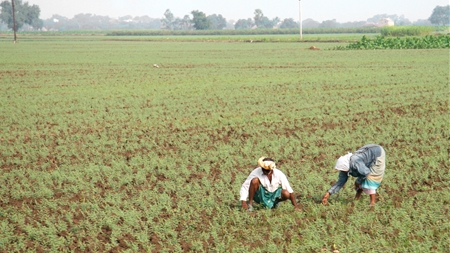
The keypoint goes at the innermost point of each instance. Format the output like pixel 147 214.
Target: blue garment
pixel 343 177
pixel 360 163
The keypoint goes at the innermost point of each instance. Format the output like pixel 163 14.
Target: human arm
pixel 343 177
pixel 244 192
pixel 245 186
pixel 294 202
pixel 287 192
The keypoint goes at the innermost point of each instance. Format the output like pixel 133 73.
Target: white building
pixel 385 22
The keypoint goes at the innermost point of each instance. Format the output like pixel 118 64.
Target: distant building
pixel 382 22
pixel 385 22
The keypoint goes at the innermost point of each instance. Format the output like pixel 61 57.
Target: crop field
pixel 102 151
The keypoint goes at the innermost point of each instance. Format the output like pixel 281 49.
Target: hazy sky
pixel 319 10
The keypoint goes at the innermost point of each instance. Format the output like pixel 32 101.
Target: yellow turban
pixel 267 165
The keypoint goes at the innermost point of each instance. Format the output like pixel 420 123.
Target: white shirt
pixel 278 179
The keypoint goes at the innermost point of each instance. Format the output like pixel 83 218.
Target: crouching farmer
pixel 367 164
pixel 267 186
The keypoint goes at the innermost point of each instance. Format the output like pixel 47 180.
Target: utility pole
pixel 14 21
pixel 300 17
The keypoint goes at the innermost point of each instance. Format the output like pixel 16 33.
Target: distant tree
pixel 275 21
pixel 258 18
pixel 440 15
pixel 123 18
pixel 402 21
pixel 329 24
pixel 310 23
pixel 143 19
pixel 244 24
pixel 97 22
pixel 398 20
pixel 217 21
pixel 183 24
pixel 353 24
pixel 56 23
pixel 187 23
pixel 201 22
pixel 177 24
pixel 268 24
pixel 3 27
pixel 23 12
pixel 82 21
pixel 423 22
pixel 140 22
pixel 289 23
pixel 168 21
pixel 378 17
pixel 262 21
pixel 230 24
pixel 87 21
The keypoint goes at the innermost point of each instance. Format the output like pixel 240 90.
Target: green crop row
pixel 406 30
pixel 381 42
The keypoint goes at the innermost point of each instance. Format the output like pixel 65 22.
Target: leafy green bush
pixel 381 42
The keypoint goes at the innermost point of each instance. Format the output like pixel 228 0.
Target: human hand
pixel 325 198
pixel 246 206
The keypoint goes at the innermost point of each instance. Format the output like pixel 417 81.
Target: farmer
pixel 367 164
pixel 267 186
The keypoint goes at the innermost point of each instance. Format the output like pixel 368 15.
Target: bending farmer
pixel 367 164
pixel 267 186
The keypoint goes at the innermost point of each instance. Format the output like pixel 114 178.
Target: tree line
pixel 27 18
